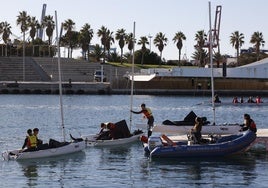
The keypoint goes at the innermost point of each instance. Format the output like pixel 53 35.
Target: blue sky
pixel 151 17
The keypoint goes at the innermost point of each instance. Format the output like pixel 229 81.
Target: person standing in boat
pixel 249 124
pixel 250 100
pixel 30 141
pixel 148 114
pixel 196 130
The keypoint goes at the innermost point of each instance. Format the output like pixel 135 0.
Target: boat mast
pixel 60 85
pixel 211 63
pixel 132 75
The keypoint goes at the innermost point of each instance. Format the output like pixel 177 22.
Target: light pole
pixel 150 37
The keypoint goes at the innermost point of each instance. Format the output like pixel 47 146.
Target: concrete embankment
pixel 106 89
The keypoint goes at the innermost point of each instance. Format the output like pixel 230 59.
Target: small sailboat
pixel 183 127
pixel 53 148
pixel 124 135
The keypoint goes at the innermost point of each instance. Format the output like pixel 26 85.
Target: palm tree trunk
pixel 179 58
pixel 121 56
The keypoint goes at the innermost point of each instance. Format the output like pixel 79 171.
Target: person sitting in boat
pixel 104 132
pixel 249 124
pixel 235 100
pixel 250 100
pixel 241 100
pixel 217 99
pixel 149 115
pixel 35 133
pixel 114 133
pixel 258 100
pixel 30 142
pixel 196 130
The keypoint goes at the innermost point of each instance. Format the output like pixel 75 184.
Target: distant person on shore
pixel 149 115
pixel 250 100
pixel 217 99
pixel 235 100
pixel 249 124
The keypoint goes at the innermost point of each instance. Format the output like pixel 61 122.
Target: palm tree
pixel 143 41
pixel 102 33
pixel 49 24
pixel 68 25
pixel 109 41
pixel 160 41
pixel 217 57
pixel 121 36
pixel 257 40
pixel 85 37
pixel 23 20
pixel 130 43
pixel 34 26
pixel 200 38
pixel 237 40
pixel 178 38
pixel 5 28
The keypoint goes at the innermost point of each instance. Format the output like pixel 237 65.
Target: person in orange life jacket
pixel 148 114
pixel 39 142
pixel 113 132
pixel 30 141
pixel 249 124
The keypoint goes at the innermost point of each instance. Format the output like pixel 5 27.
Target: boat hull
pixel 230 145
pixel 92 142
pixel 72 147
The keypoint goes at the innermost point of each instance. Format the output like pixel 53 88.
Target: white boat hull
pixel 91 141
pixel 51 152
pixel 207 129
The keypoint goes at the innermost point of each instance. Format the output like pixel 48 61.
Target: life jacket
pixel 252 125
pixel 258 100
pixel 32 141
pixel 147 112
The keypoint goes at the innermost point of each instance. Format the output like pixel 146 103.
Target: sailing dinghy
pixel 53 148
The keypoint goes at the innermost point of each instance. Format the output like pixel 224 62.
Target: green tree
pixel 68 26
pixel 121 36
pixel 5 29
pixel 23 20
pixel 130 45
pixel 143 41
pixel 49 24
pixel 200 54
pixel 160 41
pixel 178 38
pixel 109 41
pixel 237 40
pixel 34 26
pixel 84 38
pixel 102 33
pixel 257 40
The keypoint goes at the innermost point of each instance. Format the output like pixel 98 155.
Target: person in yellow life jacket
pixel 30 141
pixel 148 114
pixel 35 133
pixel 249 124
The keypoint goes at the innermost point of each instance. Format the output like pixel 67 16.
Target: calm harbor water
pixel 124 166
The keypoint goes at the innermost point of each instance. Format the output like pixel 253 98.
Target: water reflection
pixel 32 168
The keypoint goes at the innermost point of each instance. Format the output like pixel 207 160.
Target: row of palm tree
pixel 82 39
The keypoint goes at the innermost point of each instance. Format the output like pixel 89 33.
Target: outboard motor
pixel 153 142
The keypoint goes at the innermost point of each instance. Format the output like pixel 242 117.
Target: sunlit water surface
pixel 125 166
